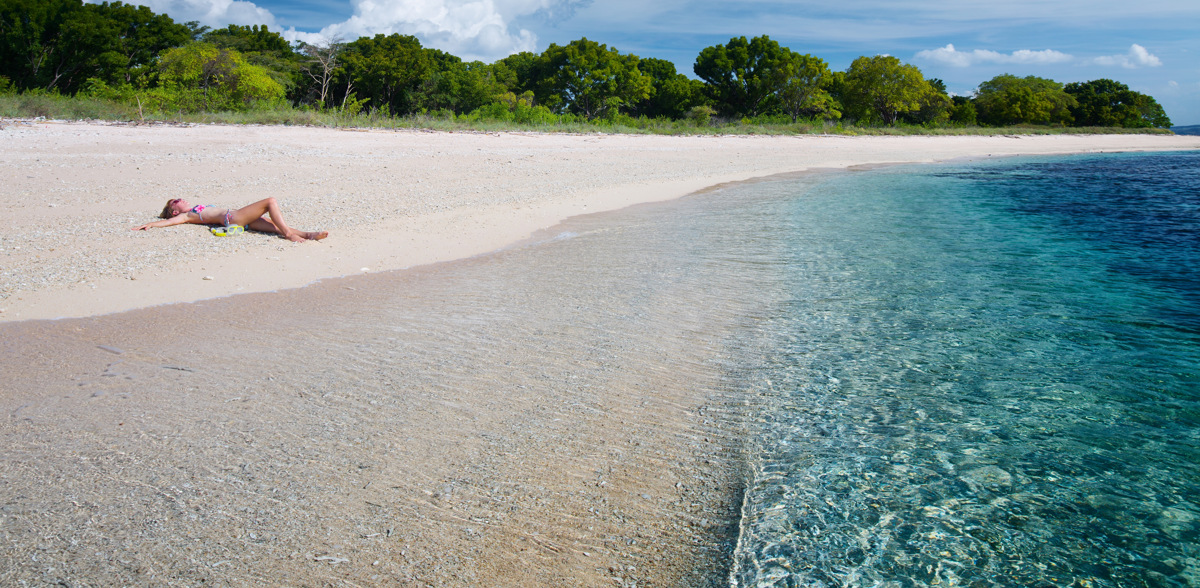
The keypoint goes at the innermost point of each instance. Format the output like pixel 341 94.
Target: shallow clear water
pixel 983 373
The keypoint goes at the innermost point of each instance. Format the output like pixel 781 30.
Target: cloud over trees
pixel 473 29
pixel 213 13
pixel 1137 57
pixel 948 55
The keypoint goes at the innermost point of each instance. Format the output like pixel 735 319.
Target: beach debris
pixel 365 269
pixel 331 559
pixel 110 349
pixel 208 277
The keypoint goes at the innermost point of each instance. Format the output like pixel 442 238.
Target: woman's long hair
pixel 166 213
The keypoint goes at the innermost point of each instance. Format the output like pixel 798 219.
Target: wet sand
pixel 486 421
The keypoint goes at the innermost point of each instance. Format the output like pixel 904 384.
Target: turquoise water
pixel 980 373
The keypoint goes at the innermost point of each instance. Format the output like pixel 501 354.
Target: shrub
pixel 701 115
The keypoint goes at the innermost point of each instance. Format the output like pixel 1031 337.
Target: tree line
pixel 129 53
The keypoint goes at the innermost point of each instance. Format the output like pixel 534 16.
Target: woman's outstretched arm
pixel 178 219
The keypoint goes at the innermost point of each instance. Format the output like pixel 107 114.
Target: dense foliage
pixel 1105 103
pixel 759 76
pixel 587 78
pixel 1009 100
pixel 882 88
pixel 129 54
pixel 60 44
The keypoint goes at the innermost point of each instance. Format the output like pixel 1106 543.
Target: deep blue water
pixel 980 373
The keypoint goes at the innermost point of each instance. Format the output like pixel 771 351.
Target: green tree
pixel 201 76
pixel 136 36
pixel 386 70
pixel 962 111
pixel 58 44
pixel 588 78
pixel 672 94
pixel 882 88
pixel 1107 103
pixel 1009 100
pixel 261 47
pixel 31 37
pixel 457 86
pixel 836 86
pixel 519 72
pixel 803 91
pixel 934 107
pixel 248 40
pixel 743 76
pixel 1152 114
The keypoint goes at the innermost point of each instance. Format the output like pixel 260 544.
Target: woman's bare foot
pixel 301 236
pixel 306 235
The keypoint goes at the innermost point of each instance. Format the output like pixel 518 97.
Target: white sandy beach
pixel 390 199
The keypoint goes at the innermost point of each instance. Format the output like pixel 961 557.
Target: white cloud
pixel 470 29
pixel 292 35
pixel 214 13
pixel 948 55
pixel 1137 57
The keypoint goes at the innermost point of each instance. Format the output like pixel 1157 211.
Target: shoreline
pixel 392 199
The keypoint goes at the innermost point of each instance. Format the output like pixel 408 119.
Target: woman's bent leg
pixel 248 215
pixel 262 225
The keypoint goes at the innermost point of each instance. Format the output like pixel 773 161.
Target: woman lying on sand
pixel 179 211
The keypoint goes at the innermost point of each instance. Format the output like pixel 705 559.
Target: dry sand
pixel 440 452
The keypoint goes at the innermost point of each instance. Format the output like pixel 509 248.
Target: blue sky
pixel 1152 45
